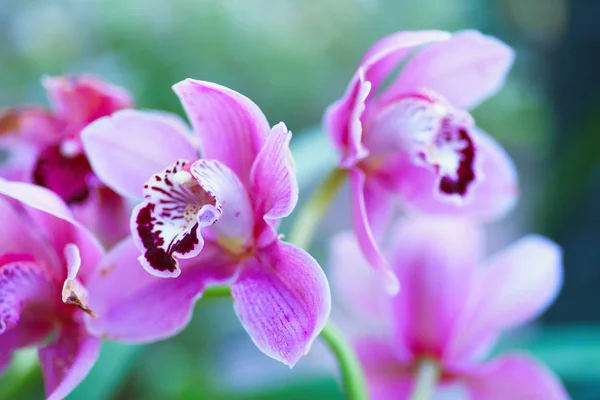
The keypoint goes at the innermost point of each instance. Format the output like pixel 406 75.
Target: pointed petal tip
pixel 180 87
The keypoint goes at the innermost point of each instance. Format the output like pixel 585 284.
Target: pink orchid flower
pixel 205 221
pixel 44 147
pixel 46 259
pixel 414 139
pixel 450 311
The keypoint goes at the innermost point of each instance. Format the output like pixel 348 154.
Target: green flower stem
pixel 307 221
pixel 353 378
pixel 217 292
pixel 427 377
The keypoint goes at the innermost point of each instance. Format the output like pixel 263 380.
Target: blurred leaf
pixel 572 351
pixel 19 380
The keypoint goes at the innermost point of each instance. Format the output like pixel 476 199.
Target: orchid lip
pixel 167 225
pixel 437 136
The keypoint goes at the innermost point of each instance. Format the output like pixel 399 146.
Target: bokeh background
pixel 293 58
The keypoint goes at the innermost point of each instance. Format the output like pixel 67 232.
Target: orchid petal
pixel 353 281
pixel 387 53
pixel 22 282
pixel 18 158
pixel 31 330
pixel 343 119
pixel 388 376
pixel 84 98
pixel 230 127
pixel 134 306
pixel 516 286
pixel 66 361
pixel 466 69
pixel 19 238
pixel 34 125
pixel 93 213
pixel 54 221
pixel 130 146
pixel 521 281
pixel 491 196
pixel 273 175
pixel 438 260
pixel 283 301
pixel 379 206
pixel 514 377
pixel 67 176
pixel 364 234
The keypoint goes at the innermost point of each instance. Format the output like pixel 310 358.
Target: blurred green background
pixel 293 58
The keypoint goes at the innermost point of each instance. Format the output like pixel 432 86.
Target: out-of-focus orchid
pixel 212 220
pixel 46 260
pixel 402 130
pixel 450 311
pixel 44 147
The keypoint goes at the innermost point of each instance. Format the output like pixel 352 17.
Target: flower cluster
pixel 116 221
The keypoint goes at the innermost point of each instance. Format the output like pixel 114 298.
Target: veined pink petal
pixel 283 301
pixel 436 260
pixel 514 377
pixel 230 127
pixel 516 286
pixel 492 195
pixel 134 306
pixel 364 234
pixel 67 360
pixel 389 376
pixel 343 119
pixel 273 175
pixel 54 221
pixel 465 69
pixel 84 98
pixel 23 281
pixel 130 146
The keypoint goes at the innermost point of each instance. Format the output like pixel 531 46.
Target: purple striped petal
pixel 230 127
pixel 283 301
pixel 273 175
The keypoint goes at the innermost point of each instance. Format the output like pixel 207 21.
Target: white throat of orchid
pixel 183 206
pixel 431 132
